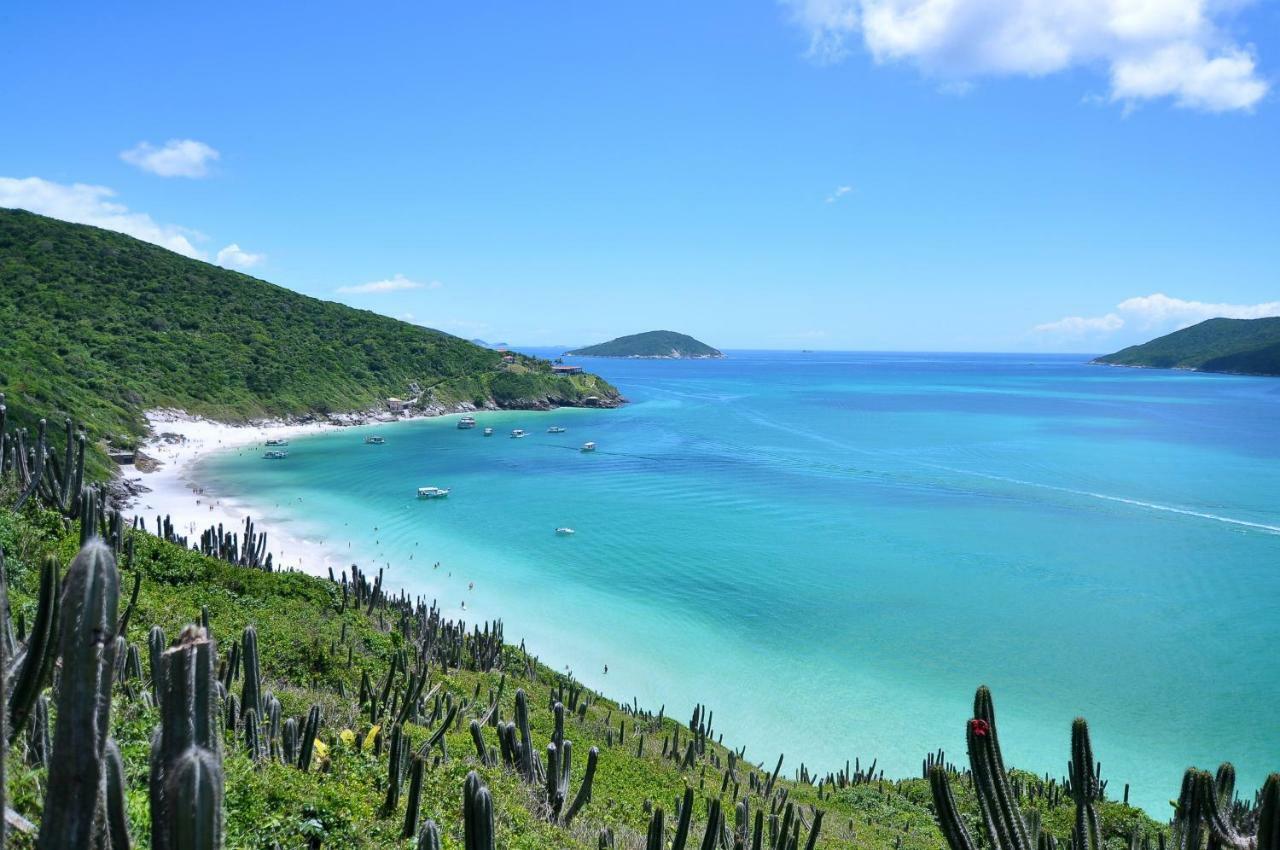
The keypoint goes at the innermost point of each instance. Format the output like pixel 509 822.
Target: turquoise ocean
pixel 832 550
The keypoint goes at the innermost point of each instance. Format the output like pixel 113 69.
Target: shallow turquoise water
pixel 833 550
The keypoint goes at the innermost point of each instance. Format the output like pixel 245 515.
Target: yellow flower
pixel 373 734
pixel 347 737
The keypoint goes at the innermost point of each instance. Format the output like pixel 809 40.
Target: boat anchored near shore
pixel 519 433
pixel 488 432
pixel 588 447
pixel 467 422
pixel 275 454
pixel 374 440
pixel 279 441
pixel 555 429
pixel 432 492
pixel 565 531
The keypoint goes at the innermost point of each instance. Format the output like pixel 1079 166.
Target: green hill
pixel 102 326
pixel 1238 346
pixel 655 344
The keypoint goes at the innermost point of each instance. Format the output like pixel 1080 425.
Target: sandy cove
pixel 179 440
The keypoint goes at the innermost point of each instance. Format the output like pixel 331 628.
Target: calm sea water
pixel 832 550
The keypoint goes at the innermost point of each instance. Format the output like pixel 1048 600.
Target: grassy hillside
pixel 1241 346
pixel 339 802
pixel 650 344
pixel 103 326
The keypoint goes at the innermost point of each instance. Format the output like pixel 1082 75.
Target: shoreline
pixel 180 441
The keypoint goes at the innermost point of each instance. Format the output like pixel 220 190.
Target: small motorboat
pixel 467 422
pixel 488 432
pixel 555 429
pixel 588 447
pixel 279 441
pixel 432 492
pixel 519 433
pixel 374 440
pixel 564 531
pixel 275 454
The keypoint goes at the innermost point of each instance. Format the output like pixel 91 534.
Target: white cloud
pixel 178 158
pixel 1151 48
pixel 395 283
pixel 1157 311
pixel 839 193
pixel 1160 309
pixel 85 204
pixel 1080 325
pixel 234 257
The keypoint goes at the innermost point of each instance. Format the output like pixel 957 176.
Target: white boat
pixel 373 440
pixel 588 447
pixel 278 442
pixel 467 422
pixel 555 429
pixel 488 432
pixel 432 492
pixel 275 454
pixel 564 531
pixel 518 433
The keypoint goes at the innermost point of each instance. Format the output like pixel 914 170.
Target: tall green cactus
pixel 87 645
pixel 1268 837
pixel 429 836
pixel 414 800
pixel 35 664
pixel 186 754
pixel 477 814
pixel 1084 789
pixel 251 691
pixel 584 790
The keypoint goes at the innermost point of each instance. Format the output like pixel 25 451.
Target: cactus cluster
pixel 1206 812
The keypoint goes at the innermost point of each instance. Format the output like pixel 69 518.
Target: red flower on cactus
pixel 979 727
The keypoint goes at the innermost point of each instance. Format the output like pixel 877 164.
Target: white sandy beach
pixel 178 440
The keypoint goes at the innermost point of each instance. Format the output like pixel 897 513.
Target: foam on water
pixel 832 550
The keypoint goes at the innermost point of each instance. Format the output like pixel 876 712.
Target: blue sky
pixel 864 174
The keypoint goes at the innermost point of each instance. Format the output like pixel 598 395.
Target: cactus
pixel 584 790
pixel 251 691
pixel 682 825
pixel 429 836
pixel 38 746
pixel 477 814
pixel 186 758
pixel 117 815
pixel 656 838
pixel 1268 837
pixel 252 741
pixel 308 743
pixel 394 771
pixel 1084 789
pixel 155 647
pixel 87 646
pixel 34 666
pixel 414 802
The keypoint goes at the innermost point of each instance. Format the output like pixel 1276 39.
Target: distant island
pixel 662 345
pixel 1232 346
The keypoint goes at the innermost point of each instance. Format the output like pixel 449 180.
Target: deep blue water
pixel 833 549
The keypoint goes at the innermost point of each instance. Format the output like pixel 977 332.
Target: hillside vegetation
pixel 655 344
pixel 102 326
pixel 1238 346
